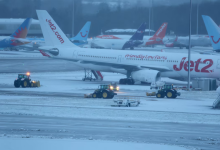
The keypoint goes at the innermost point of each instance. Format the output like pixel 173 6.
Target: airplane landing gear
pixel 128 81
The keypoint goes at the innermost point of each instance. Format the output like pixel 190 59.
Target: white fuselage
pixel 108 43
pixel 195 41
pixel 146 39
pixel 115 43
pixel 119 43
pixel 202 66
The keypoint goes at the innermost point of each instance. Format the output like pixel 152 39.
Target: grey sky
pixel 145 2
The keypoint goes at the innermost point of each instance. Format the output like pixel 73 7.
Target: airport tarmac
pixel 59 110
pixel 192 135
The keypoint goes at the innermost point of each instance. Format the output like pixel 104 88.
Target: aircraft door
pixel 75 54
pixel 218 64
pixel 119 59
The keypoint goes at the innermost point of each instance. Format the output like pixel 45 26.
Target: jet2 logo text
pixel 53 28
pixel 194 65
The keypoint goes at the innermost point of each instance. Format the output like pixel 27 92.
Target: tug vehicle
pixel 127 101
pixel 104 91
pixel 24 81
pixel 168 91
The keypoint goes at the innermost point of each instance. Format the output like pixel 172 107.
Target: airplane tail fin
pixel 22 31
pixel 53 35
pixel 161 32
pixel 83 33
pixel 139 34
pixel 213 31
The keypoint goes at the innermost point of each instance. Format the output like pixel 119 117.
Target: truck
pixel 127 101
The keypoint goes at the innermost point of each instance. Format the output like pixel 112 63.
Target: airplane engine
pixel 53 51
pixel 146 75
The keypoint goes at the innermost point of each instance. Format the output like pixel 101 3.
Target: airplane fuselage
pixel 11 42
pixel 202 66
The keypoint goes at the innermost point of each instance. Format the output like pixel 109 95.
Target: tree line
pixel 130 18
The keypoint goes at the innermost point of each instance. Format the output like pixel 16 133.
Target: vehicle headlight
pixel 117 88
pixel 111 87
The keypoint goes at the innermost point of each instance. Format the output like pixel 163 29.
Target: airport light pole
pixel 149 19
pixel 197 28
pixel 73 20
pixel 189 51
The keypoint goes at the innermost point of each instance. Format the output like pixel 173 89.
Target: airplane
pixel 156 39
pixel 80 39
pixel 18 37
pixel 213 32
pixel 136 65
pixel 183 41
pixel 113 42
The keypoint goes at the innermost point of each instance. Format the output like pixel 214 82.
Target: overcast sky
pixel 147 2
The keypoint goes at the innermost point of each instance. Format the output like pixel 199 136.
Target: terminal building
pixel 8 26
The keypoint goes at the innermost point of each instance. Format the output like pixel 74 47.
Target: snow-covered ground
pixel 61 94
pixel 21 54
pixel 72 144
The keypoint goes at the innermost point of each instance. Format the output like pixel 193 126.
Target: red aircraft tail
pixel 161 32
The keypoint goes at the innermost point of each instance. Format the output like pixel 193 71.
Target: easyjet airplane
pixel 136 65
pixel 158 37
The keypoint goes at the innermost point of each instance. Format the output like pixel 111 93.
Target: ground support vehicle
pixel 114 87
pixel 168 91
pixel 127 101
pixel 24 81
pixel 104 91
